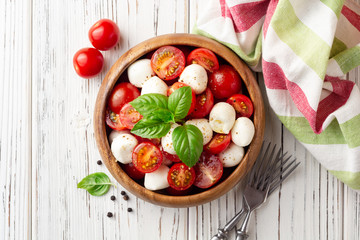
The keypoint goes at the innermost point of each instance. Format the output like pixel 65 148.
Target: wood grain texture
pixel 48 145
pixel 15 119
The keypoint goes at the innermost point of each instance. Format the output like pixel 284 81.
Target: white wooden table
pixel 48 144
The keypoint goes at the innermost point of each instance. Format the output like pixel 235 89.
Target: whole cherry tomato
pixel 224 82
pixel 121 94
pixel 88 62
pixel 131 170
pixel 104 34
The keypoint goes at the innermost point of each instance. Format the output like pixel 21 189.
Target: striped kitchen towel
pixel 304 49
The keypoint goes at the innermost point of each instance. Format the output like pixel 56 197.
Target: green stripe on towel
pixel 351 130
pixel 334 5
pixel 306 44
pixel 348 59
pixel 352 179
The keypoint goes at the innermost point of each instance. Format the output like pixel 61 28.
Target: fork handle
pixel 241 235
pixel 241 232
pixel 223 232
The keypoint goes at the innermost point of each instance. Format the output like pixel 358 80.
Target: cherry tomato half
pixel 88 62
pixel 204 104
pixel 171 157
pixel 121 94
pixel 104 34
pixel 208 169
pixel 131 170
pixel 224 82
pixel 180 176
pixel 129 116
pixel 180 85
pixel 205 58
pixel 113 120
pixel 168 62
pixel 218 143
pixel 242 104
pixel 146 157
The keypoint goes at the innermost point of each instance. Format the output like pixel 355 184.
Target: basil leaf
pixel 188 144
pixel 151 127
pixel 147 103
pixel 97 184
pixel 164 115
pixel 180 101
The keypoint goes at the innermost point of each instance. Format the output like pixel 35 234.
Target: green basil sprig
pixel 159 112
pixel 97 184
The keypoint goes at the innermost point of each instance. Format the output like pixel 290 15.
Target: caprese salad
pixel 179 119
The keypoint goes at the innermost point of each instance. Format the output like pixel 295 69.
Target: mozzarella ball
pixel 232 155
pixel 166 141
pixel 139 72
pixel 243 131
pixel 158 179
pixel 123 146
pixel 116 133
pixel 195 76
pixel 154 85
pixel 203 125
pixel 222 117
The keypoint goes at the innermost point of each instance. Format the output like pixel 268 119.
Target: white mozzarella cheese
pixel 166 141
pixel 139 72
pixel 204 127
pixel 158 179
pixel 243 131
pixel 116 133
pixel 122 147
pixel 195 76
pixel 232 155
pixel 222 117
pixel 154 85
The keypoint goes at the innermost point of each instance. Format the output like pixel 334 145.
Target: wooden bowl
pixel 112 78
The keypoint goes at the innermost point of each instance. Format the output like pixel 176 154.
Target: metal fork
pixel 280 173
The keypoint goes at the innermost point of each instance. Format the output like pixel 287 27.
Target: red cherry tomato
pixel 168 62
pixel 180 176
pixel 88 62
pixel 113 120
pixel 146 157
pixel 129 116
pixel 121 94
pixel 218 143
pixel 205 58
pixel 208 169
pixel 104 34
pixel 204 104
pixel 172 157
pixel 180 85
pixel 224 82
pixel 242 104
pixel 131 170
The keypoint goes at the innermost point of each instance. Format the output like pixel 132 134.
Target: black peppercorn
pixel 126 197
pixel 113 198
pixel 129 209
pixel 99 162
pixel 109 214
pixel 123 193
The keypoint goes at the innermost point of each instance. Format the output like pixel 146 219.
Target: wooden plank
pixel 64 148
pixel 15 119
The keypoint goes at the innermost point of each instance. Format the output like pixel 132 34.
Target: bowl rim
pixel 112 77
